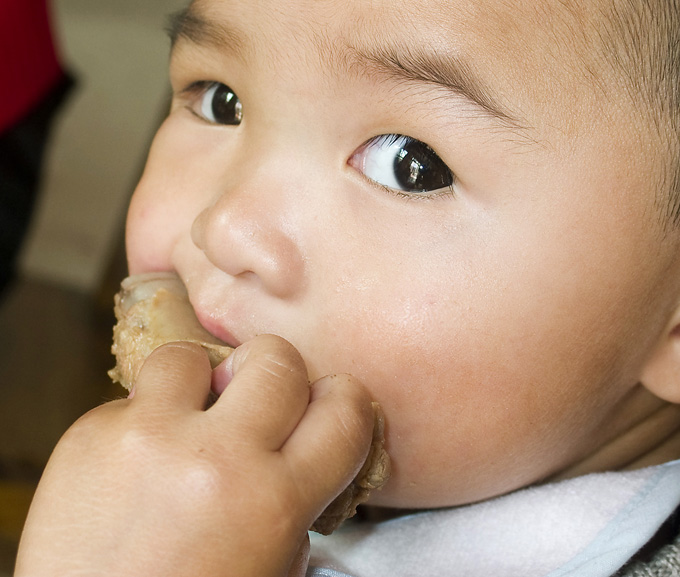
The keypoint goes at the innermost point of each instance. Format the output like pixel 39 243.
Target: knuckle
pixel 137 441
pixel 274 355
pixel 200 482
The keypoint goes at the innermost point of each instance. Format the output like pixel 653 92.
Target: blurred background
pixel 56 315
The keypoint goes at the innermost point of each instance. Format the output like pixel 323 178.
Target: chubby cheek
pixel 432 392
pixel 460 431
pixel 165 203
pixel 481 395
pixel 146 251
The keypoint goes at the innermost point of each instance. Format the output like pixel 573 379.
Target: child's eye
pixel 217 103
pixel 402 163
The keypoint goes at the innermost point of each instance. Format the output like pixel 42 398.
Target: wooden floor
pixel 54 354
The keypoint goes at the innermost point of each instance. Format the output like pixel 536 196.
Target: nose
pixel 248 233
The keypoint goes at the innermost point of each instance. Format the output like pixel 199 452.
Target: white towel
pixel 584 527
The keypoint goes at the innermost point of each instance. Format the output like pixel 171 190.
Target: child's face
pixel 502 315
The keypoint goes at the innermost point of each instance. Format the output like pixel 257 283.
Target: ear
pixel 661 373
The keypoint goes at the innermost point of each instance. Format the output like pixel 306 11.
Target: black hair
pixel 641 40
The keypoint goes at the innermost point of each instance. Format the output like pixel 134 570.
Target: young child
pixel 467 211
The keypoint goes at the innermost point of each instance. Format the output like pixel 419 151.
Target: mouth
pixel 214 327
pixel 208 308
pixel 153 309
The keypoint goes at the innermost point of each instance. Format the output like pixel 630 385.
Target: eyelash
pixel 447 193
pixel 407 158
pixel 412 169
pixel 192 95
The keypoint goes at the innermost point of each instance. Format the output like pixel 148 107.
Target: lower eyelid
pixel 442 193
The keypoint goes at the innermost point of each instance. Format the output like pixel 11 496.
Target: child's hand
pixel 154 485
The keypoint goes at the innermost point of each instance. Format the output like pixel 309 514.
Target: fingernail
pixel 222 375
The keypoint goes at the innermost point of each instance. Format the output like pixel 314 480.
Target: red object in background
pixel 29 66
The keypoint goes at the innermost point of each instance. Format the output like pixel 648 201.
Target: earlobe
pixel 661 374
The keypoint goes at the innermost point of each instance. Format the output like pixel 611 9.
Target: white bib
pixel 589 526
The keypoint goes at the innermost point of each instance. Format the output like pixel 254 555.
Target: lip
pixel 216 329
pixel 204 312
pixel 206 296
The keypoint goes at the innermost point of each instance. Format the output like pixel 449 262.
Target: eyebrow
pixel 396 63
pixel 189 25
pixel 449 72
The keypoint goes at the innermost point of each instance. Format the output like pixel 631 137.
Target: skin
pixel 509 321
pixel 518 328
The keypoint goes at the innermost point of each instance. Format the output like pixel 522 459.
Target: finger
pixel 174 375
pixel 301 561
pixel 331 442
pixel 267 391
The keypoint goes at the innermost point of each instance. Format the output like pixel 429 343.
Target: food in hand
pixel 153 309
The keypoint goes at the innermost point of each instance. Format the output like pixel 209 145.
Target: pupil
pixel 418 168
pixel 226 106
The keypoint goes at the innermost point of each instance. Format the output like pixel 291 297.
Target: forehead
pixel 445 24
pixel 538 57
